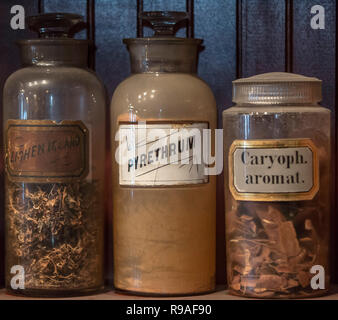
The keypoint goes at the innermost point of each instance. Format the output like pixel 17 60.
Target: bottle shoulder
pixel 164 96
pixel 178 83
pixel 52 76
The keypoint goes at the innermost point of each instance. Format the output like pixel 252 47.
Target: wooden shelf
pixel 220 294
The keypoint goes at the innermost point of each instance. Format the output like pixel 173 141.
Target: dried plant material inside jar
pixel 53 118
pixel 277 187
pixel 53 228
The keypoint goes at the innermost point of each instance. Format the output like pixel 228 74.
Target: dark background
pixel 241 38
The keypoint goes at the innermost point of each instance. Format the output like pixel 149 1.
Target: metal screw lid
pixel 277 88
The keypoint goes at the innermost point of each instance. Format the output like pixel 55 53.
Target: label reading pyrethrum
pixel 161 154
pixel 273 170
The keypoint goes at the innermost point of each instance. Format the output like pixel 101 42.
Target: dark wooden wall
pixel 241 38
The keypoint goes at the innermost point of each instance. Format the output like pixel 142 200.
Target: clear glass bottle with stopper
pixel 53 113
pixel 164 212
pixel 277 187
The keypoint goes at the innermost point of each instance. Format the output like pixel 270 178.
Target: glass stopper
pixel 56 25
pixel 164 23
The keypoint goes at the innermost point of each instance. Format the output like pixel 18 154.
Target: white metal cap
pixel 277 88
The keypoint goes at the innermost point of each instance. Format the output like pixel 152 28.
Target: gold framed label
pixel 45 151
pixel 273 170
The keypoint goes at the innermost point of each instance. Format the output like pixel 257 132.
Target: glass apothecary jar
pixel 164 211
pixel 277 187
pixel 53 113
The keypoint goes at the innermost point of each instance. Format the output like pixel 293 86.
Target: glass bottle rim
pixel 54 41
pixel 163 40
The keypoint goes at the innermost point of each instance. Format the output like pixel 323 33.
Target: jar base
pixel 161 295
pixel 47 293
pixel 280 296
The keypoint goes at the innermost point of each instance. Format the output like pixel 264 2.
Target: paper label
pixel 44 151
pixel 161 154
pixel 273 170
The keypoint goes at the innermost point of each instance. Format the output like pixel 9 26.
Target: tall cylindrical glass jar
pixel 164 212
pixel 53 113
pixel 277 187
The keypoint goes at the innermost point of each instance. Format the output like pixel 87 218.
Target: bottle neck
pixel 149 55
pixel 54 52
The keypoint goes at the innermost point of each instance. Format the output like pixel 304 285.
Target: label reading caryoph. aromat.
pixel 161 154
pixel 46 151
pixel 273 170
